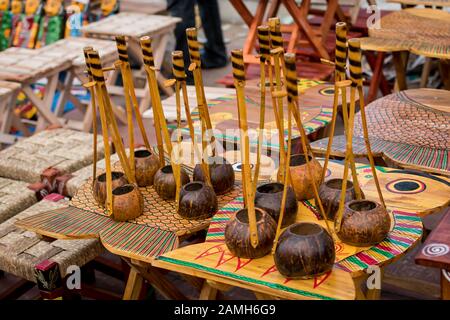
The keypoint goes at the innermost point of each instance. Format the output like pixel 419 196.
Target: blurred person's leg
pixel 184 9
pixel 214 54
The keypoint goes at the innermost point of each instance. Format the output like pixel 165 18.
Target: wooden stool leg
pixel 208 292
pixel 425 73
pixel 444 68
pixel 400 62
pixel 134 285
pixel 445 285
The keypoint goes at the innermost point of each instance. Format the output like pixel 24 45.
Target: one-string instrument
pixel 237 61
pixel 276 53
pixel 179 74
pixel 195 68
pixel 355 56
pixel 149 65
pixel 340 64
pixel 159 113
pixel 108 122
pixel 292 89
pixel 356 80
pixel 90 87
pixel 264 58
pixel 129 88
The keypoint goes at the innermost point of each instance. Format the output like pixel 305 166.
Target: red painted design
pixel 270 270
pixel 319 280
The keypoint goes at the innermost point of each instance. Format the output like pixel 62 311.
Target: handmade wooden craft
pixel 124 202
pixel 144 164
pixel 214 168
pixel 359 222
pixel 250 234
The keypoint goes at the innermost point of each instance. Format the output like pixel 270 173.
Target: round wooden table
pixel 419 31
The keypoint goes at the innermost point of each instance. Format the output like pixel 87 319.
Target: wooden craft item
pixel 149 63
pixel 195 68
pixel 145 164
pixel 239 83
pixel 264 58
pixel 277 52
pixel 291 79
pixel 157 107
pixel 340 64
pixel 124 202
pixel 178 70
pixel 94 111
pixel 359 210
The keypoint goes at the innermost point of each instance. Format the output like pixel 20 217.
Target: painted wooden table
pixel 315 101
pixel 26 67
pixel 419 31
pixel 73 48
pixel 301 27
pixel 401 189
pixel 135 25
pixel 410 128
pixel 435 253
pixel 151 244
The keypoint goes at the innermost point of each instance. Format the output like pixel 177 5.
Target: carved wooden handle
pixel 276 39
pixel 147 51
pixel 194 48
pixel 178 66
pixel 237 61
pixel 264 43
pixel 341 46
pixel 122 48
pixel 354 57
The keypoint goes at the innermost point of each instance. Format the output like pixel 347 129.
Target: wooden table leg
pixel 311 36
pixel 445 285
pixel 44 105
pixel 250 41
pixel 376 64
pixel 400 63
pixel 134 285
pixel 157 280
pixel 444 68
pixel 208 292
pixel 66 88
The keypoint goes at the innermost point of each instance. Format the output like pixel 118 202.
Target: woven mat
pixel 64 149
pixel 21 250
pixel 14 197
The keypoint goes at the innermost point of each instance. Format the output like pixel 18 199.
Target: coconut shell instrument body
pixel 146 165
pixel 99 187
pixel 164 182
pixel 221 173
pixel 197 201
pixel 128 203
pixel 303 176
pixel 330 194
pixel 268 197
pixel 364 223
pixel 237 234
pixel 304 250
